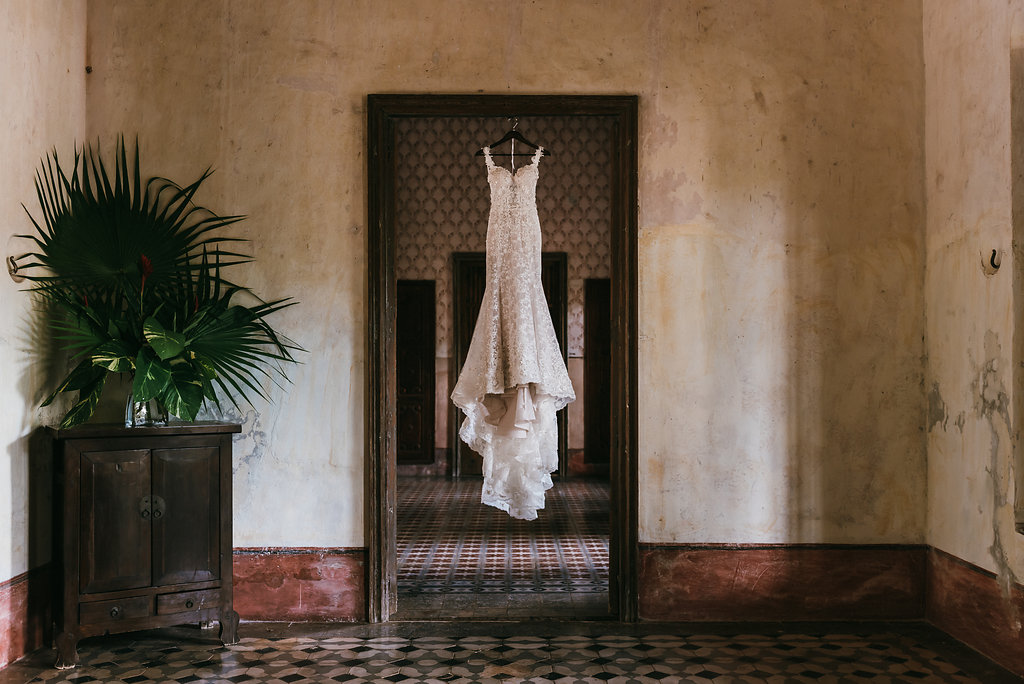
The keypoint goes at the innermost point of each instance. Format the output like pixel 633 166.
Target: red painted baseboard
pixel 967 603
pixel 24 614
pixel 300 585
pixel 677 583
pixel 781 582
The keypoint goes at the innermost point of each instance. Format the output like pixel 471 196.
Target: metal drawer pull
pixel 190 603
pixel 152 506
pixel 115 612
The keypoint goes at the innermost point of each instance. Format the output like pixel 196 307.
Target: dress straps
pixel 487 158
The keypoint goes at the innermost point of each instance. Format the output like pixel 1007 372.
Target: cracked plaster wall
pixel 781 253
pixel 971 320
pixel 42 105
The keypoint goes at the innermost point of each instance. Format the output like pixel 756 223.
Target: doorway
pixel 384 111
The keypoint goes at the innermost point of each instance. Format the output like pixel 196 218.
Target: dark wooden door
pixel 597 354
pixel 468 284
pixel 186 515
pixel 114 526
pixel 414 339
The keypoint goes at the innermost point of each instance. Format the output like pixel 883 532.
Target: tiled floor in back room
pixel 460 559
pixel 522 652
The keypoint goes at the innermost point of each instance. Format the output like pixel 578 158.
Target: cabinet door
pixel 186 532
pixel 114 523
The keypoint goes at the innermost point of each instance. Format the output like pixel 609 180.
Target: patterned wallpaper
pixel 442 200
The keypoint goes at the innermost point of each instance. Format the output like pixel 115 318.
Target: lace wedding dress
pixel 514 378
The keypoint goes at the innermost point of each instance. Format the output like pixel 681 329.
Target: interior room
pixel 816 306
pixel 447 567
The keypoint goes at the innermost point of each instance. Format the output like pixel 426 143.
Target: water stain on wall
pixel 937 414
pixel 991 403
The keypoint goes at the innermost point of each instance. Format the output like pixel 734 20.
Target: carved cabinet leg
pixel 229 628
pixel 67 651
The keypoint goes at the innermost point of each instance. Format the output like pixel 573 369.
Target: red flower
pixel 146 266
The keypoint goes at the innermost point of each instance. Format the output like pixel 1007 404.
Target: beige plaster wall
pixel 972 423
pixel 42 106
pixel 780 258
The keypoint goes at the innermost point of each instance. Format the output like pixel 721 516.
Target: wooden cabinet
pixel 143 530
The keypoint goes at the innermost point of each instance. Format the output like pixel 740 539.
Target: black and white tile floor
pixel 523 652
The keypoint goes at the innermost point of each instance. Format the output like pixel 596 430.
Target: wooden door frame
pixel 383 111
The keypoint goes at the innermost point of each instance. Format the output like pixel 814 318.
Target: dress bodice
pixel 513 233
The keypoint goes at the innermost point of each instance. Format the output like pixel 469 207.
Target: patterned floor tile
pixel 476 549
pixel 509 652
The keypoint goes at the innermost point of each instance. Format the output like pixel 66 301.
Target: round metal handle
pixel 157 514
pixel 190 603
pixel 115 611
pixel 145 513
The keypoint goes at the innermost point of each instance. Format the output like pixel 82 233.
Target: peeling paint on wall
pixel 992 405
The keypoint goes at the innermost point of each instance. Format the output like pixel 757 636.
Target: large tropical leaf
pixel 166 343
pixel 135 270
pixel 151 376
pixel 183 394
pixel 114 356
pixel 84 375
pixel 115 238
pixel 88 398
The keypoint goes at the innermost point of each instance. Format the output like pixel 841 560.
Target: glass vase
pixel 143 413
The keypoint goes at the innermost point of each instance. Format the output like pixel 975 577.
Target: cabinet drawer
pixel 113 611
pixel 187 601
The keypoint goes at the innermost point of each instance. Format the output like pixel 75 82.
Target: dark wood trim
pixel 382 112
pixel 101 430
pixel 381 392
pixel 624 570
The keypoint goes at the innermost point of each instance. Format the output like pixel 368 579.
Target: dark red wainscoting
pixel 781 582
pixel 300 585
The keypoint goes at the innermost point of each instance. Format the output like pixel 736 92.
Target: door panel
pixel 597 365
pixel 186 536
pixel 115 526
pixel 468 284
pixel 414 339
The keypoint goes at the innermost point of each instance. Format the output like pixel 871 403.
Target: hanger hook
pixel 515 122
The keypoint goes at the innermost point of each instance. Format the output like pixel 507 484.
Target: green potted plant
pixel 133 272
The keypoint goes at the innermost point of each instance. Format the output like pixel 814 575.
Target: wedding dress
pixel 514 378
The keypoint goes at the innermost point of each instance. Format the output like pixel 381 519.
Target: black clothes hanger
pixel 514 136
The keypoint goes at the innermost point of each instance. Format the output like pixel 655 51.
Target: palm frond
pixel 135 270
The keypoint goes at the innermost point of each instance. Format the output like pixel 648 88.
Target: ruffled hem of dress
pixel 517 469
